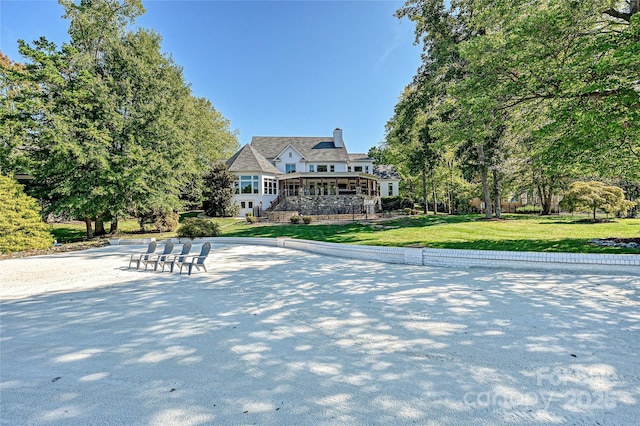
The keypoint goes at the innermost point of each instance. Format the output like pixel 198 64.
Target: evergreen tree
pixel 21 227
pixel 218 192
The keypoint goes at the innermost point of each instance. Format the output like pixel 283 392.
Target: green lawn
pixel 515 233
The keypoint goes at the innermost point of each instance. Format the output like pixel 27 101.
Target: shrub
pixel 407 211
pixel 251 218
pixel 295 219
pixel 194 227
pixel 163 219
pixel 395 203
pixel 528 209
pixel 307 219
pixel 167 222
pixel 21 227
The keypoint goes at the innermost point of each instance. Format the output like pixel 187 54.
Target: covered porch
pixel 322 184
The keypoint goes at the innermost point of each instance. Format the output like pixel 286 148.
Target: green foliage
pixel 13 136
pixel 529 209
pixel 218 192
pixel 590 196
pixel 108 124
pixel 251 218
pixel 194 228
pixel 162 215
pixel 21 227
pixel 395 203
pixel 411 211
pixel 515 233
pixel 167 222
pixel 294 219
pixel 307 219
pixel 528 95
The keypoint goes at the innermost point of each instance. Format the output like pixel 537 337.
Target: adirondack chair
pixel 196 261
pixel 154 260
pixel 172 260
pixel 138 257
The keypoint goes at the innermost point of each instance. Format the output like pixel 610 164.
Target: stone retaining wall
pixel 328 204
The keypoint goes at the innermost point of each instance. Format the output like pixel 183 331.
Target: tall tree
pixel 576 63
pixel 115 129
pixel 218 193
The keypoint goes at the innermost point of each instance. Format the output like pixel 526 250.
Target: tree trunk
pixel 99 227
pixel 87 222
pixel 496 188
pixel 114 226
pixel 433 189
pixel 485 182
pixel 543 196
pixel 424 192
pixel 450 194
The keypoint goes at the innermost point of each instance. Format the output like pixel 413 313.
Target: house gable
pixel 289 153
pixel 247 159
pixel 312 149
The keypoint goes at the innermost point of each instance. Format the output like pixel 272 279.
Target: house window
pixel 322 168
pixel 243 205
pixel 366 169
pixel 357 168
pixel 349 168
pixel 290 154
pixel 390 189
pixel 249 185
pixel 250 204
pixel 332 168
pixel 290 168
pixel 270 187
pixel 312 168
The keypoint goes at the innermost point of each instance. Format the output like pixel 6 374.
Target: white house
pixel 388 180
pixel 272 170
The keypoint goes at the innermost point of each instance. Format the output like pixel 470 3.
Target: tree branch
pixel 625 16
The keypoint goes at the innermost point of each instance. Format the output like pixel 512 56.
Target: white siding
pixel 384 188
pixel 252 201
pixel 290 156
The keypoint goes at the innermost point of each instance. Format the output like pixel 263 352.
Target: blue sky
pixel 273 68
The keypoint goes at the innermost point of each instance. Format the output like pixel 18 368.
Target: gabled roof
pixel 316 149
pixel 359 157
pixel 386 172
pixel 287 147
pixel 250 160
